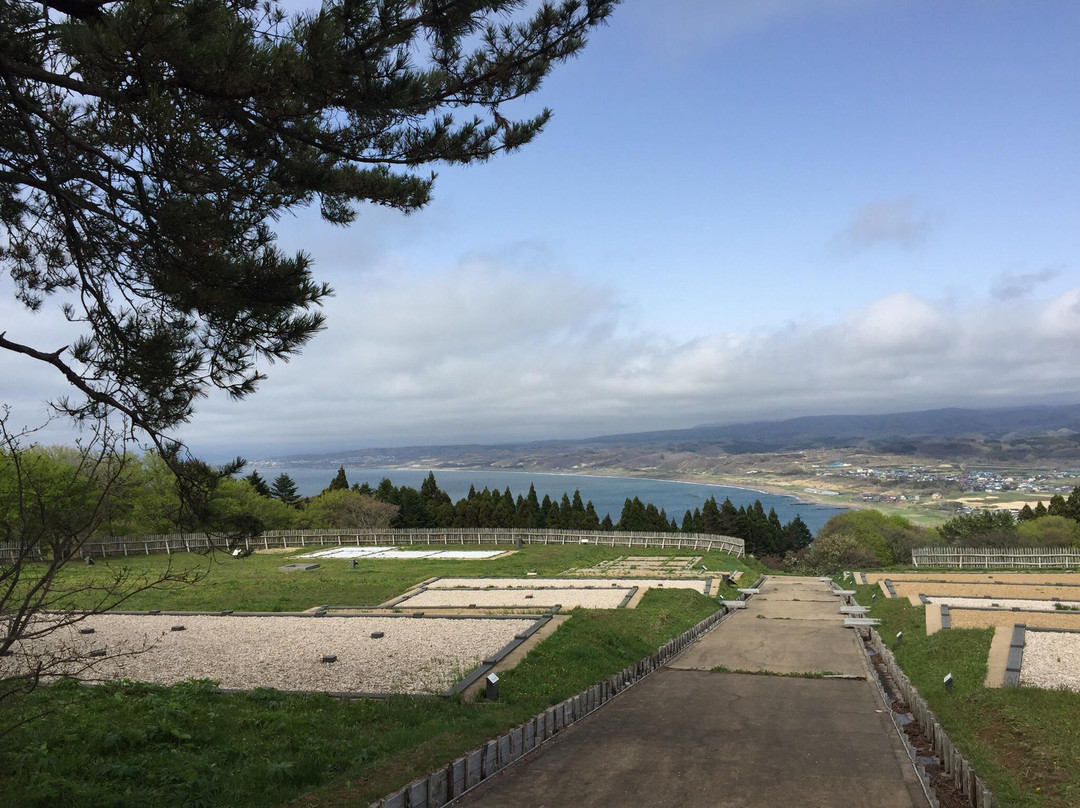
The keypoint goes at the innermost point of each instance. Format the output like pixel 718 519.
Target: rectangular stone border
pixel 630 596
pixel 485 667
pixel 946 620
pixel 1016 656
pixel 427 584
pixel 889 586
pixel 1016 649
pixel 451 781
pixel 539 621
pixel 956 765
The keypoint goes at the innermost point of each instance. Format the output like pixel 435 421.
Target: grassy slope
pixel 1024 742
pixel 187 745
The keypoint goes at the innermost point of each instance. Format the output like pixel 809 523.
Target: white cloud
pixel 495 349
pixel 901 222
pixel 536 371
pixel 1010 285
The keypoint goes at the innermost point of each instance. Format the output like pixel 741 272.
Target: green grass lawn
pixel 255 584
pixel 1024 742
pixel 132 745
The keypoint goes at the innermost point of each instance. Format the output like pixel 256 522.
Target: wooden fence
pixel 956 765
pixel 196 542
pixel 995 557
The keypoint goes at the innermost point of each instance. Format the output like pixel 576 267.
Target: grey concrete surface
pixel 694 739
pixel 795 609
pixel 747 643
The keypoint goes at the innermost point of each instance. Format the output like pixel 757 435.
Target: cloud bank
pixel 487 351
pixel 483 354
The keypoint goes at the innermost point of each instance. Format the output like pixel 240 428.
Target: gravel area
pixel 546 598
pixel 983 618
pixel 1031 592
pixel 566 583
pixel 979 577
pixel 1003 603
pixel 394 552
pixel 415 656
pixel 1051 660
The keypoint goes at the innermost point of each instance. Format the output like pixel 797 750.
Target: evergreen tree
pixel 592 520
pixel 796 535
pixel 729 518
pixel 710 517
pixel 607 524
pixel 386 492
pixel 688 522
pixel 1072 505
pixel 285 489
pixel 1040 510
pixel 259 484
pixel 1057 506
pixel 340 482
pixel 150 148
pixel 433 497
pixel 1026 514
pixel 546 508
pixel 633 516
pixel 528 510
pixel 364 488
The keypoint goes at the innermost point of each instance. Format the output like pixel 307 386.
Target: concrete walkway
pixel 693 737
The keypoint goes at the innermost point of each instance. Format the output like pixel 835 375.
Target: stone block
pixel 474 768
pixel 491 758
pixel 505 748
pixel 439 788
pixel 456 786
pixel 418 793
pixel 395 800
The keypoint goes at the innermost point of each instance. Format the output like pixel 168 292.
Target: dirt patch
pixel 948 795
pixel 1012 750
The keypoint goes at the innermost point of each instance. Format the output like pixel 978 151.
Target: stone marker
pixel 298 567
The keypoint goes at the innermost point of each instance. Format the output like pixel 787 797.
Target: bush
pixel 829 555
pixel 889 539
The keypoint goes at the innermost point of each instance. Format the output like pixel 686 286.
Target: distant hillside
pixel 826 431
pixel 1024 434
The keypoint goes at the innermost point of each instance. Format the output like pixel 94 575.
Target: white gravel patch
pixel 415 656
pixel 540 598
pixel 1003 603
pixel 566 583
pixel 394 552
pixel 1051 660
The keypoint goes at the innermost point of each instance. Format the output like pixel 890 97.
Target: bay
pixel 607 493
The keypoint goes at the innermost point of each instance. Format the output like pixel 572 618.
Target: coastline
pixel 628 474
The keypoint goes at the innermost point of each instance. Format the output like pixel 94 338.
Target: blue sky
pixel 740 210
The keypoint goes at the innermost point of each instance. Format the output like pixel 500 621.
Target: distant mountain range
pixel 1009 434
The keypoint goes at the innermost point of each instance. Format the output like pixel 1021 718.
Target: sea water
pixel 607 493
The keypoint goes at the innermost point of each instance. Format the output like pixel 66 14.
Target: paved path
pixel 692 737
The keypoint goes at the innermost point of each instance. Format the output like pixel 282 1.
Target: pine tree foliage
pixel 147 148
pixel 284 488
pixel 340 481
pixel 259 484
